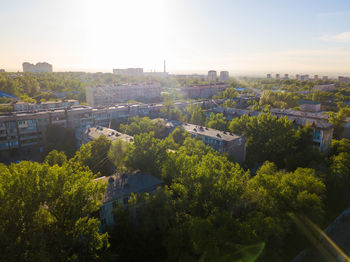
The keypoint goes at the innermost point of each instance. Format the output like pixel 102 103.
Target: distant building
pixel 304 77
pixel 129 71
pixel 203 91
pixel 286 76
pixel 343 79
pixel 324 88
pixel 268 76
pixel 310 106
pixel 277 76
pixel 224 76
pixel 2 70
pixel 112 94
pixel 315 77
pixel 325 78
pixel 297 77
pixel 212 76
pixel 38 68
pixel 119 189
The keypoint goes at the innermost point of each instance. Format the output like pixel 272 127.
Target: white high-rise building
pixel 224 76
pixel 212 76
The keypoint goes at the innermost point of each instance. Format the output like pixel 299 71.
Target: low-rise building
pixel 92 133
pixel 323 131
pixel 119 189
pixel 221 141
pixel 324 88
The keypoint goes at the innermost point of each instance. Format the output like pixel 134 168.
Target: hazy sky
pixel 192 35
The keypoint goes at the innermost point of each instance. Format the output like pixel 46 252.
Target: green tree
pixel 95 156
pixel 117 154
pixel 45 213
pixel 217 121
pixel 268 137
pixel 56 158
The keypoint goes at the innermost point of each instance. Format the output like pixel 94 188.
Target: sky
pixel 194 36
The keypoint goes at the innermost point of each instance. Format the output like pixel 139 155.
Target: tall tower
pixel 164 66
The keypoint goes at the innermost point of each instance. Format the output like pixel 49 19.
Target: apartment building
pixel 38 68
pixel 212 75
pixel 129 71
pixel 103 95
pixel 324 88
pixel 323 131
pixel 221 141
pixel 343 79
pixel 203 91
pixel 24 106
pixel 92 133
pixel 224 76
pixel 119 189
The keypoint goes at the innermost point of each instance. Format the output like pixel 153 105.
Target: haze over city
pixel 243 37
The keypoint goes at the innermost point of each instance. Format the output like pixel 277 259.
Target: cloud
pixel 343 37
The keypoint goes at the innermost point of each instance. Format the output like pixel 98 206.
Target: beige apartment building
pixel 103 95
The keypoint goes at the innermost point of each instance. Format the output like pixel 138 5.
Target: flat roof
pixel 209 132
pixel 111 134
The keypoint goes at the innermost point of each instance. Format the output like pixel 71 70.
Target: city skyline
pixel 193 36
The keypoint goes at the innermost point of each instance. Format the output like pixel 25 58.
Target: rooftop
pixel 111 134
pixel 209 132
pixel 120 185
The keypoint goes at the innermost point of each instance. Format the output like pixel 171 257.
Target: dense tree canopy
pixel 45 213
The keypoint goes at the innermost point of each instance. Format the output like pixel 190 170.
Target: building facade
pixel 129 71
pixel 224 76
pixel 212 75
pixel 41 67
pixel 104 95
pixel 24 106
pixel 203 91
pixel 119 189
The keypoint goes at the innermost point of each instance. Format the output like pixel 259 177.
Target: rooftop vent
pixel 111 180
pixel 218 135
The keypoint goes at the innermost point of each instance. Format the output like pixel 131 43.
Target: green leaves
pixel 45 213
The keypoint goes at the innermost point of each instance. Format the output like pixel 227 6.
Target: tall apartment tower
pixel 224 76
pixel 315 77
pixel 277 76
pixel 212 76
pixel 286 76
pixel 268 76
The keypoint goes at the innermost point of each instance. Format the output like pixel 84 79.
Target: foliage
pixel 56 158
pixel 278 99
pixel 217 121
pixel 117 154
pixel 95 156
pixel 338 120
pixel 196 115
pixel 268 137
pixel 138 125
pixel 45 213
